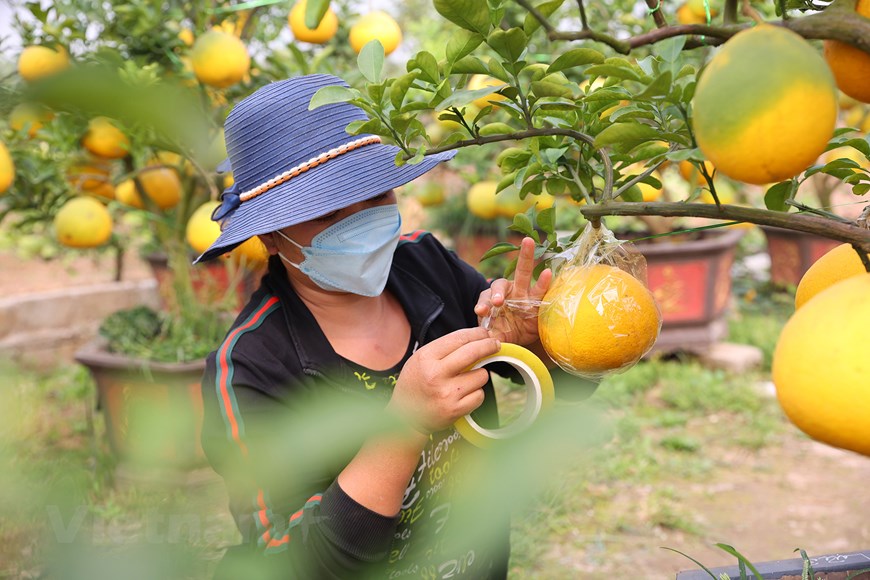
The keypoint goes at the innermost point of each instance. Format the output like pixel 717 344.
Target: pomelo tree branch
pixel 848 232
pixel 837 22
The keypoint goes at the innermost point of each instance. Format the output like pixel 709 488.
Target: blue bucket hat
pixel 291 165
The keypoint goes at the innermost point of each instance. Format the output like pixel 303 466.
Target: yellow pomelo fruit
pixel 201 231
pixel 186 36
pixel 699 9
pixel 851 65
pixel 508 202
pixel 36 62
pixel 30 116
pixel 376 25
pixel 481 200
pixel 847 153
pixel 161 184
pixel 821 367
pixel 251 254
pixel 838 264
pixel 597 319
pixel 690 172
pixel 127 194
pixel 685 15
pixel 83 222
pixel 324 32
pixel 105 140
pixel 92 177
pixel 219 59
pixel 430 194
pixel 541 201
pixel 480 81
pixel 7 169
pixel 750 106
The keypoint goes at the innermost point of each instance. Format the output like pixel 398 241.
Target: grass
pixel 673 421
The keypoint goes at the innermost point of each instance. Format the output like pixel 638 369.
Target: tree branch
pixel 811 224
pixel 839 23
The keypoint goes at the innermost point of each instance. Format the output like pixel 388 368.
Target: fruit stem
pixel 865 259
pixel 749 11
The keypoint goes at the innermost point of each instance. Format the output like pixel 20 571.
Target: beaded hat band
pixel 311 163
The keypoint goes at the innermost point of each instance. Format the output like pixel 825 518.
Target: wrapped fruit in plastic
pixel 598 316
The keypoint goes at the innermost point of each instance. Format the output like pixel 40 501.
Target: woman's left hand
pixel 512 324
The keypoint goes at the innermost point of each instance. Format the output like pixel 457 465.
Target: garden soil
pixel 766 503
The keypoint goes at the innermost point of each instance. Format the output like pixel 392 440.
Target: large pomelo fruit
pixel 765 106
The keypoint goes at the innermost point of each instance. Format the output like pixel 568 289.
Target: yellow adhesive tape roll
pixel 539 395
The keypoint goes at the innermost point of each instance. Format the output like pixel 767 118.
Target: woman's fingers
pixel 524 269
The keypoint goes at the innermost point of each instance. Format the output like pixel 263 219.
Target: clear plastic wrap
pixel 598 317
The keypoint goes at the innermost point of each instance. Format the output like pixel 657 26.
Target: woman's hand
pixel 434 389
pixel 518 326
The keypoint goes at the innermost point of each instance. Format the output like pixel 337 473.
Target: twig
pixel 654 9
pixel 583 22
pixel 545 24
pixel 518 135
pixel 812 224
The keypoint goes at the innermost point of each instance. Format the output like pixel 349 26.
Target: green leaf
pixel 314 11
pixel 330 95
pixel 371 61
pixel 670 48
pixel 574 58
pixel 509 44
pixel 399 89
pixel 626 136
pixel 469 65
pixel 777 194
pixel 550 89
pixel 471 15
pixel 523 224
pixel 661 86
pixel 633 193
pixel 428 66
pixel 496 69
pixel 462 44
pixel 531 24
pixel 499 249
pixel 861 188
pixel 496 129
pixel 546 220
pixel 464 97
pixel 611 70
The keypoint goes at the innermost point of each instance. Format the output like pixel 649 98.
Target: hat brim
pixel 340 182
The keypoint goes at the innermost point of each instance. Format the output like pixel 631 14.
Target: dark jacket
pixel 266 432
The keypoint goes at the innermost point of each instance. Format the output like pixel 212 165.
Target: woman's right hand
pixel 434 389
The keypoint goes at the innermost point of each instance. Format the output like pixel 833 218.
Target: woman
pixel 353 313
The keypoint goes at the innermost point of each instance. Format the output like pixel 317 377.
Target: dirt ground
pixel 799 494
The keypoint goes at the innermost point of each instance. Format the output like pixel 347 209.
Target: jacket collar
pixel 316 356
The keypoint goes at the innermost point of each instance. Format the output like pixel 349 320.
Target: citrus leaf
pixel 471 15
pixel 469 65
pixel 531 24
pixel 626 136
pixel 399 89
pixel 499 249
pixel 509 44
pixel 576 57
pixel 462 44
pixel 612 70
pixel 314 11
pixel 777 194
pixel 371 61
pixel 670 48
pixel 546 220
pixel 861 188
pixel 523 224
pixel 495 129
pixel 428 66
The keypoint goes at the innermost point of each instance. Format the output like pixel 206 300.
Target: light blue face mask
pixel 353 255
